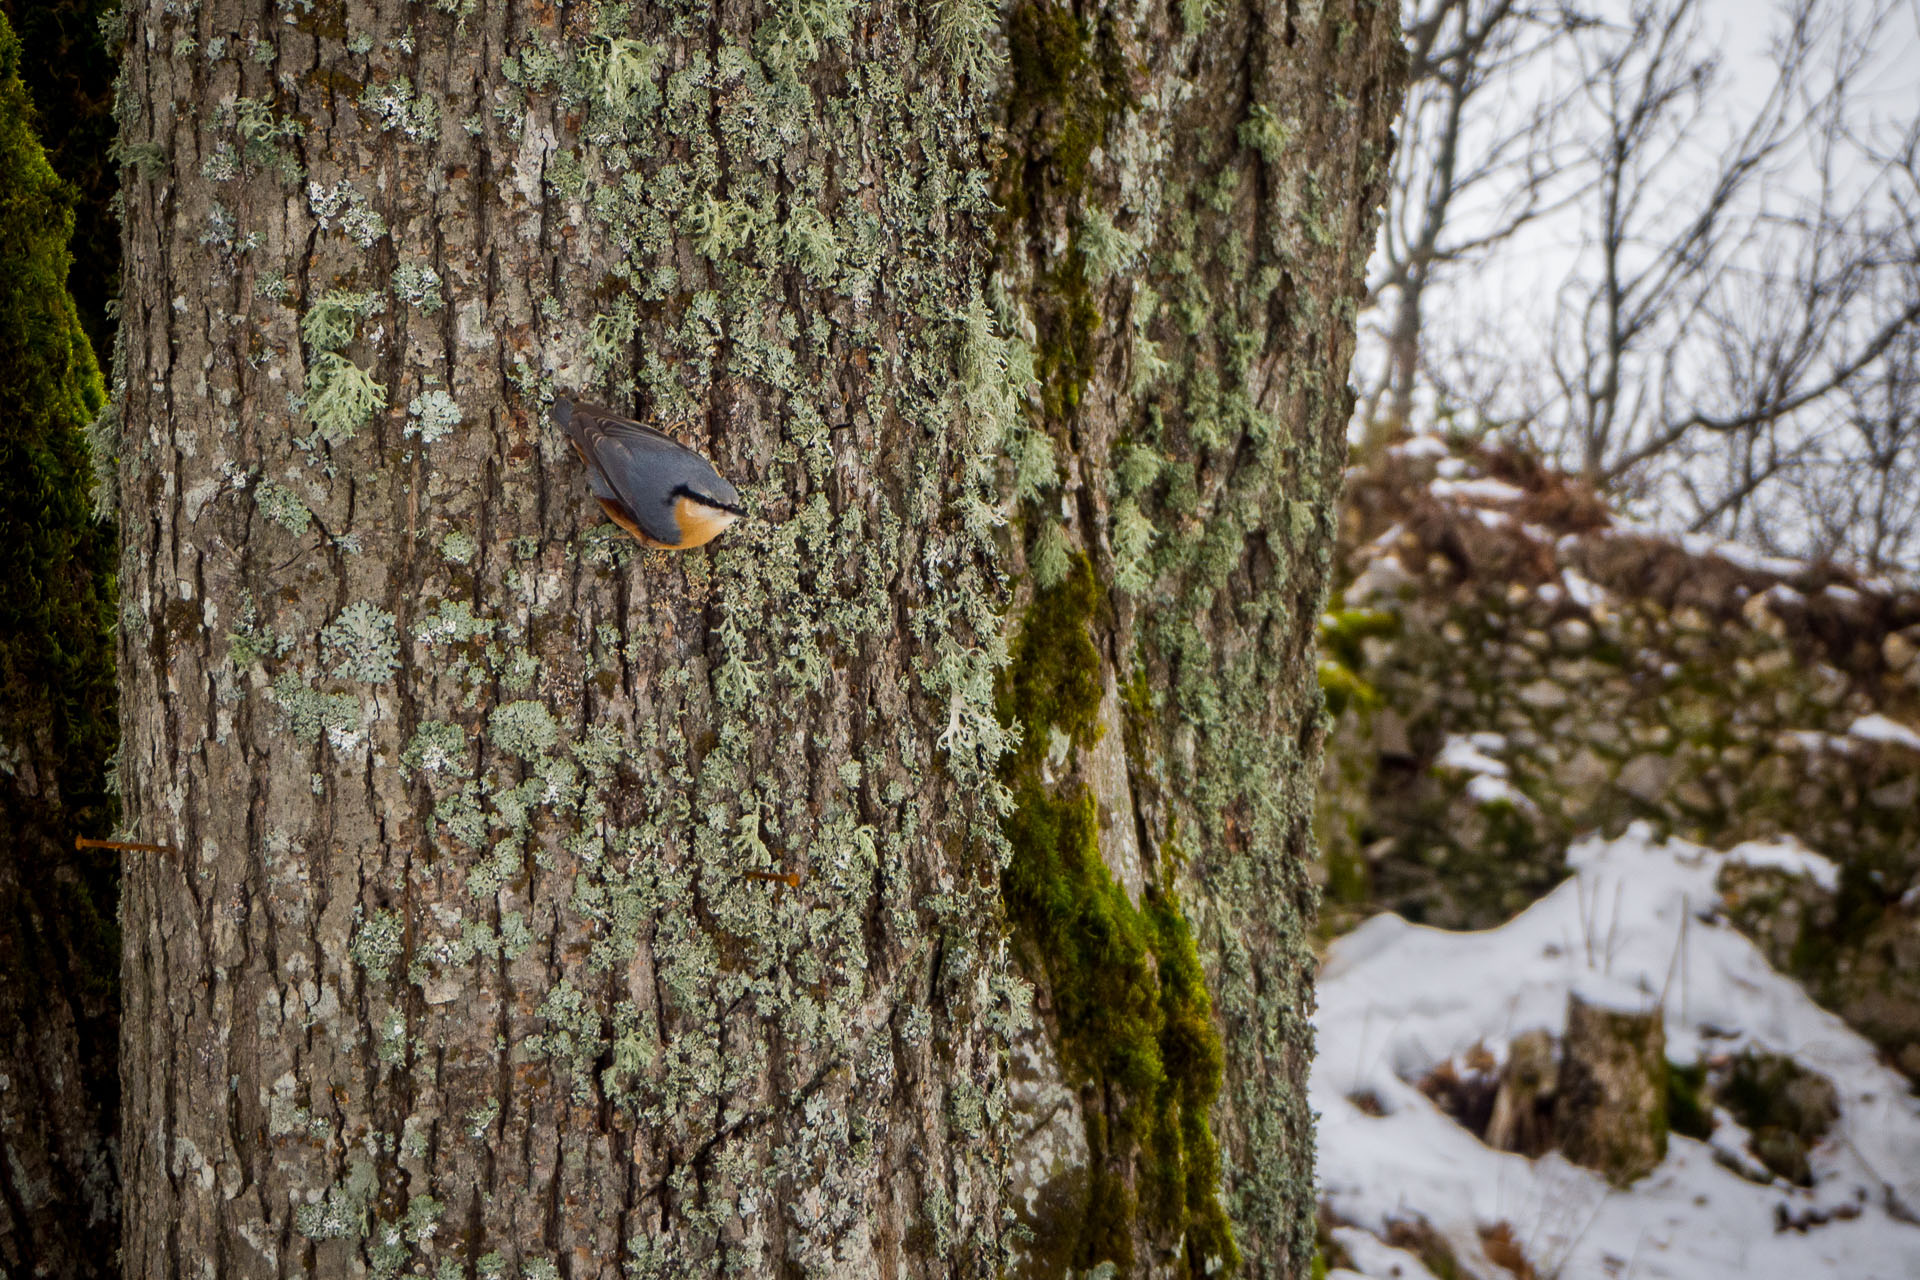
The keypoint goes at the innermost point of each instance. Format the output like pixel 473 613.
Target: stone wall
pixel 1511 664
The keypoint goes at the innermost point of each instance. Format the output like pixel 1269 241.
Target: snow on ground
pixel 1471 753
pixel 1478 489
pixel 1398 999
pixel 1789 855
pixel 1878 728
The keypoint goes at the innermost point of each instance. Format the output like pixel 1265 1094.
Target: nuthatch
pixel 649 484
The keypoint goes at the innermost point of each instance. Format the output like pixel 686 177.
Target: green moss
pixel 1069 82
pixel 1053 681
pixel 1349 879
pixel 1342 631
pixel 1688 1114
pixel 1128 993
pixel 1343 688
pixel 56 616
pixel 68 63
pixel 57 700
pixel 1062 71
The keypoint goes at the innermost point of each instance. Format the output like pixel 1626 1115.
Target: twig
pixel 82 842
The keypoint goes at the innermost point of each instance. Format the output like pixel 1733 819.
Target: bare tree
pixel 1856 483
pixel 1738 287
pixel 1471 170
pixel 1727 297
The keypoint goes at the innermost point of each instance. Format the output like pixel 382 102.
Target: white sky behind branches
pixel 1493 319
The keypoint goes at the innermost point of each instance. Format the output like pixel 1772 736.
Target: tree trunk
pixel 59 943
pixel 459 968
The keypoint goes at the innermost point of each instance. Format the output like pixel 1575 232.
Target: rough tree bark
pixel 1023 334
pixel 59 946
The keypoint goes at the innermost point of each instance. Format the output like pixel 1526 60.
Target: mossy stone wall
pixel 1616 676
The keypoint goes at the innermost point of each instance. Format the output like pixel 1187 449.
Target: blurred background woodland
pixel 1623 657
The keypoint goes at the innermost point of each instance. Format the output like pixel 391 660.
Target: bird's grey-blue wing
pixel 646 474
pixel 620 455
pixel 642 469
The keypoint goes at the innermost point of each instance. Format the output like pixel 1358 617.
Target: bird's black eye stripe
pixel 682 491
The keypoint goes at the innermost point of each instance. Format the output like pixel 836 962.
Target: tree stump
pixel 1612 1113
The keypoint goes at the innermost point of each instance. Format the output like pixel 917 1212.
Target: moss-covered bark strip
pixel 1189 198
pixel 1123 983
pixel 68 68
pixel 59 938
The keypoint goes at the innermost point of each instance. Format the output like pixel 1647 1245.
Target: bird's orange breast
pixel 699 523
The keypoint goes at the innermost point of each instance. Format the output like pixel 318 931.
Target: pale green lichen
pixel 1105 247
pixel 310 713
pixel 967 32
pixel 390 1037
pixel 364 642
pixel 438 746
pixel 340 396
pixel 334 318
pixel 346 206
pixel 718 227
pixel 282 506
pixel 433 414
pixel 610 336
pixel 266 138
pixel 377 943
pixel 515 935
pixel 462 814
pixel 525 729
pixel 517 673
pixel 341 1212
pixel 625 69
pixel 1133 536
pixel 395 106
pixel 221 165
pixel 573 1035
pixel 418 285
pixel 481 1119
pixel 394 1243
pixel 459 547
pixel 452 622
pixel 811 243
pixel 334 1218
pixel 249 641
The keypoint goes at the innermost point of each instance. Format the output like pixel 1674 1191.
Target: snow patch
pixel 1467 752
pixel 1582 590
pixel 1484 489
pixel 1488 791
pixel 1421 446
pixel 1787 854
pixel 1397 999
pixel 1878 728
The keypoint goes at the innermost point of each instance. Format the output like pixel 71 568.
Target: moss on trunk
pixel 59 937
